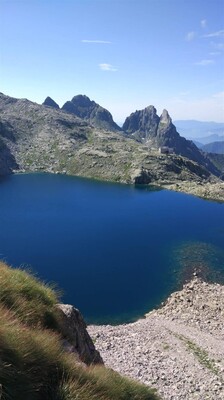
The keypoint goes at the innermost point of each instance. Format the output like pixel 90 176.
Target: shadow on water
pixel 148 188
pixel 4 178
pixel 203 259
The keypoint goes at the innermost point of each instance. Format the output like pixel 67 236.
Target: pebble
pixel 177 349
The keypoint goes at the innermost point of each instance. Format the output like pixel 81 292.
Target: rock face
pixel 142 124
pixel 8 163
pixel 50 103
pixel 92 112
pixel 7 160
pixel 73 328
pixel 147 127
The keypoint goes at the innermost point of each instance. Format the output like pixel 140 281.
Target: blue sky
pixel 124 54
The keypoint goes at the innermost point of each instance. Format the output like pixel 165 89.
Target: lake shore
pixel 206 190
pixel 178 349
pixel 213 190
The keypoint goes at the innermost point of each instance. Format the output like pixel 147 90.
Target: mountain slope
pixel 179 348
pixel 207 139
pixel 214 147
pixel 198 129
pixel 218 161
pixel 41 138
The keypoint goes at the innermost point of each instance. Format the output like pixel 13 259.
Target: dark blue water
pixel 116 251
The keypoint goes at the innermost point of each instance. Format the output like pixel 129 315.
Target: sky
pixel 123 54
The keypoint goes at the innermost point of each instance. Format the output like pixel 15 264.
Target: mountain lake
pixel 115 251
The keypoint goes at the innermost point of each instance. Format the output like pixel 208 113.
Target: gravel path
pixel 178 349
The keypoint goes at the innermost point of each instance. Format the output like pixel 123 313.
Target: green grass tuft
pixel 32 301
pixel 33 363
pixel 201 355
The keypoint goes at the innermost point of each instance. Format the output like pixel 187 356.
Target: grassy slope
pixel 33 364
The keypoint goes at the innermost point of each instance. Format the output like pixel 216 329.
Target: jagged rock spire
pixel 143 123
pixel 165 118
pixel 50 102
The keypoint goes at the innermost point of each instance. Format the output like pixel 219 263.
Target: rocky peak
pixel 92 112
pixel 147 127
pixel 166 130
pixel 83 101
pixel 142 124
pixel 50 102
pixel 146 124
pixel 165 118
pixel 80 105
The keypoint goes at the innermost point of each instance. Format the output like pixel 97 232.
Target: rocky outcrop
pixel 72 327
pixel 50 103
pixel 7 161
pixel 155 131
pixel 87 109
pixel 142 124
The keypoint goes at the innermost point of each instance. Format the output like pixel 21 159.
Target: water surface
pixel 116 251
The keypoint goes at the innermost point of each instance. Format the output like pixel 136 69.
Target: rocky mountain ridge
pixel 147 127
pixel 200 130
pixel 50 103
pixel 44 138
pixel 93 113
pixel 214 147
pixel 144 125
pixel 208 139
